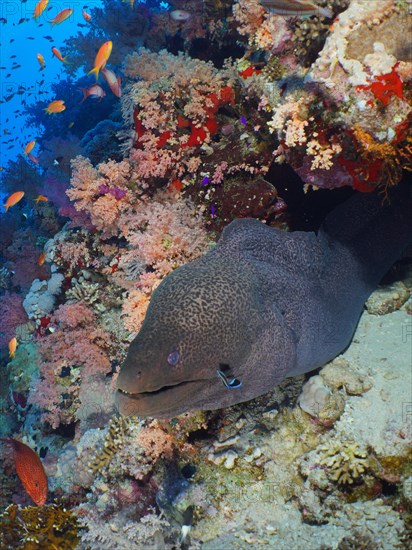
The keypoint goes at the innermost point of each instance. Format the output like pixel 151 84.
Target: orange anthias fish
pixel 42 258
pixel 296 8
pixel 12 347
pixel 39 8
pixel 86 16
pixel 41 198
pixel 59 56
pixel 40 59
pixel 14 199
pixel 56 106
pixel 61 16
pixel 29 147
pixel 113 81
pixel 93 91
pixel 101 58
pixel 30 470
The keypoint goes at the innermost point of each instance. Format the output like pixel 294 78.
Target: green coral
pixel 23 366
pixel 33 527
pixel 345 461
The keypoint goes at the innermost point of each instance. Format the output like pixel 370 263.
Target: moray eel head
pixel 203 318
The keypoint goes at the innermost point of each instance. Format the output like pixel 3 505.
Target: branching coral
pixel 123 533
pixel 118 427
pixel 345 461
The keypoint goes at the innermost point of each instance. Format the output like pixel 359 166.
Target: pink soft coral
pixel 77 351
pixel 12 314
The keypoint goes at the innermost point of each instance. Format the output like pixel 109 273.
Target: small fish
pixel 12 347
pixel 41 198
pixel 34 159
pixel 14 198
pixel 59 56
pixel 113 81
pixel 61 16
pixel 180 15
pixel 70 125
pixel 296 8
pixel 30 470
pixel 186 523
pixel 39 8
pixel 29 147
pixel 94 91
pixel 86 16
pixel 101 58
pixel 41 61
pixel 56 106
pixel 42 258
pixel 233 383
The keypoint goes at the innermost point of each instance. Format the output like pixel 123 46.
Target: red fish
pixel 113 81
pixel 30 470
pixel 94 91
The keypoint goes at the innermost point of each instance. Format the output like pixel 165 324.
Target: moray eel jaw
pixel 163 402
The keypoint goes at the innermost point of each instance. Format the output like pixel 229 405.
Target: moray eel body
pixel 261 306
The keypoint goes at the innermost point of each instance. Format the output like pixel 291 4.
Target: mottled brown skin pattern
pixel 263 305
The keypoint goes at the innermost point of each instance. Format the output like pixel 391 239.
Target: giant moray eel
pixel 261 306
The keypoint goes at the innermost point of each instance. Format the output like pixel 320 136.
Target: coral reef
pixel 73 359
pixel 134 188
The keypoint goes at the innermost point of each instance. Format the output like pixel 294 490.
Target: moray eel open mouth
pixel 148 403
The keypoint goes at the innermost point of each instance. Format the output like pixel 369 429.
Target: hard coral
pixel 345 461
pixel 38 527
pixel 348 123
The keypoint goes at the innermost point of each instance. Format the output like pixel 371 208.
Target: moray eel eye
pixel 173 358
